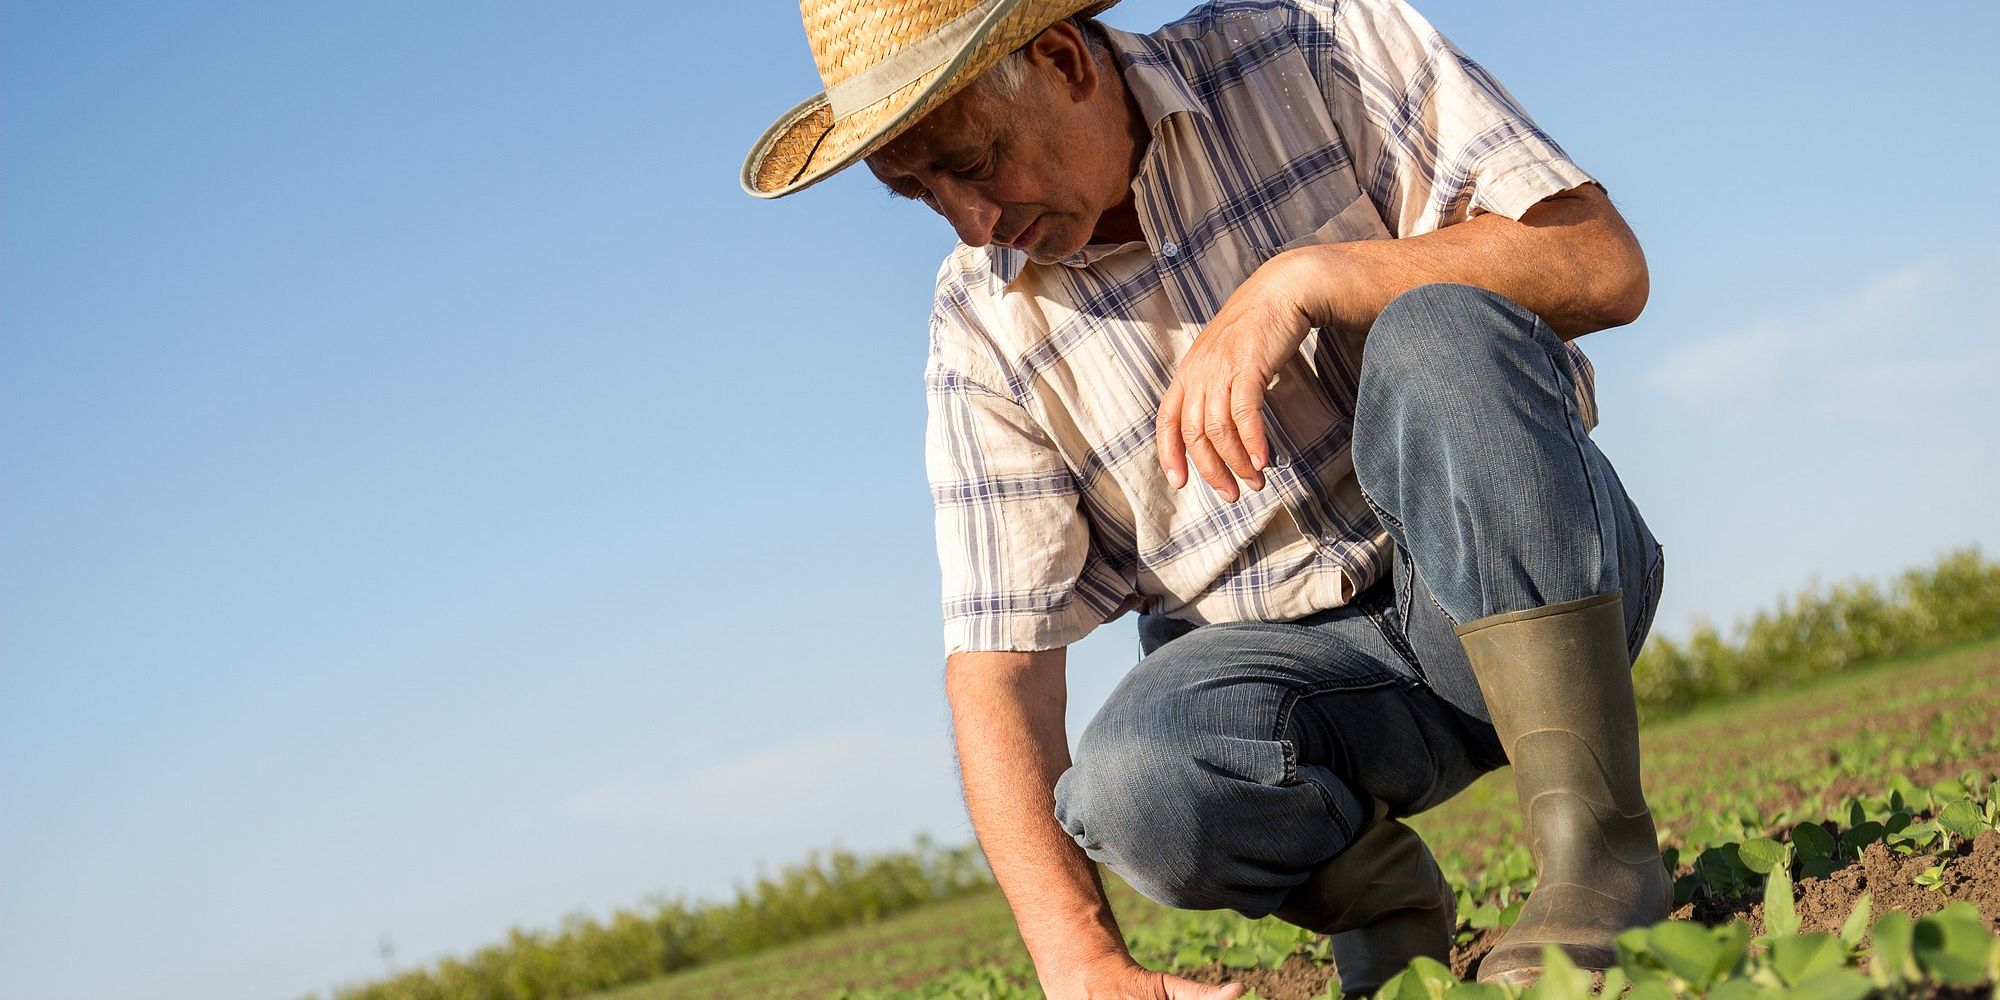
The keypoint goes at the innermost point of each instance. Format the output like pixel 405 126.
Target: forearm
pixel 1007 719
pixel 1571 259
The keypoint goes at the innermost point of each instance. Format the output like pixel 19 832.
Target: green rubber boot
pixel 1382 901
pixel 1558 682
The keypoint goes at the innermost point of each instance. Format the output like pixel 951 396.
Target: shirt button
pixel 1170 248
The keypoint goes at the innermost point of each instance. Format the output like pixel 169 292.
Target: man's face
pixel 1034 172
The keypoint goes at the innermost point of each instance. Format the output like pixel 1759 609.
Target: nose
pixel 968 211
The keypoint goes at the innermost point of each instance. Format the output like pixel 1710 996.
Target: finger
pixel 1167 436
pixel 1207 462
pixel 1188 989
pixel 1218 424
pixel 1246 403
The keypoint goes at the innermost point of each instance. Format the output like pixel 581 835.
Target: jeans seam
pixel 1291 777
pixel 1645 618
pixel 1571 420
pixel 1391 519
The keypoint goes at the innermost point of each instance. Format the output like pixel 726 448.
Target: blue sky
pixel 436 499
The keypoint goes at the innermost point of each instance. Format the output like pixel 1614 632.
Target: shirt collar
pixel 1160 91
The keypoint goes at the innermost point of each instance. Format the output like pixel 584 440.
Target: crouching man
pixel 1261 325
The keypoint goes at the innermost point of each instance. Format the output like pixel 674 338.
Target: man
pixel 1310 250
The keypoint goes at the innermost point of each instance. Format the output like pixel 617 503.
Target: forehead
pixel 961 126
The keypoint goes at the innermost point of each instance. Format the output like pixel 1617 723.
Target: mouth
pixel 1022 238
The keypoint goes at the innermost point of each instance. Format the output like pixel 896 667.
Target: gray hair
pixel 1005 78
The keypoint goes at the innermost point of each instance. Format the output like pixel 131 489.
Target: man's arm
pixel 1007 720
pixel 1571 259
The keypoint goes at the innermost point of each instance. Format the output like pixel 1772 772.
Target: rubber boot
pixel 1382 901
pixel 1558 682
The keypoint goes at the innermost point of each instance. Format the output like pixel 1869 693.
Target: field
pixel 1783 812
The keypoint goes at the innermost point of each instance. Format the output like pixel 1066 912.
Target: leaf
pixel 1762 854
pixel 1892 959
pixel 1424 979
pixel 1560 978
pixel 1856 924
pixel 1812 840
pixel 1833 984
pixel 1403 985
pixel 1932 878
pixel 1475 991
pixel 1685 886
pixel 1687 950
pixel 1952 945
pixel 1650 989
pixel 1921 834
pixel 1632 947
pixel 1239 956
pixel 1861 835
pixel 1780 916
pixel 1717 869
pixel 1733 940
pixel 1736 989
pixel 1962 819
pixel 1798 957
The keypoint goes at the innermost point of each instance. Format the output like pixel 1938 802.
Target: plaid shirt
pixel 1276 123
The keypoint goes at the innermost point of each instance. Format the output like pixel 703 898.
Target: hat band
pixel 909 63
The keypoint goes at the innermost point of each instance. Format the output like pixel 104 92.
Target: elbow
pixel 1628 298
pixel 1622 287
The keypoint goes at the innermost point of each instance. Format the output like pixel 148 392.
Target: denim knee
pixel 1147 807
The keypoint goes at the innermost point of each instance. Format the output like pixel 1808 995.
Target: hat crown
pixel 849 36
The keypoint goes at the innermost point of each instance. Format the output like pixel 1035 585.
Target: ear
pixel 1063 51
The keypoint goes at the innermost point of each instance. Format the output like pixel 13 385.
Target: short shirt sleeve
pixel 1019 570
pixel 1435 138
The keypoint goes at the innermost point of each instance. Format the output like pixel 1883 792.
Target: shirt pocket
pixel 1357 221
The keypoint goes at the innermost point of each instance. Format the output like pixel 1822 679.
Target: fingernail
pixel 1174 477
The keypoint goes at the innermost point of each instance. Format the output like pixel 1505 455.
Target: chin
pixel 1053 247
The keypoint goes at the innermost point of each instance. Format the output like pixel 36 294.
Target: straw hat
pixel 885 64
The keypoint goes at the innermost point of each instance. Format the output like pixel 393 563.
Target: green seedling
pixel 1961 819
pixel 1932 878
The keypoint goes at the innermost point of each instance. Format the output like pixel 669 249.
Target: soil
pixel 1972 876
pixel 1300 978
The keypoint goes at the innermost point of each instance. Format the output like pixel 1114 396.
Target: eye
pixel 976 172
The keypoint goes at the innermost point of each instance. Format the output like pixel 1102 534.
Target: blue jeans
pixel 1236 758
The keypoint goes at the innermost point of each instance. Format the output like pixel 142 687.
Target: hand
pixel 1118 977
pixel 1211 410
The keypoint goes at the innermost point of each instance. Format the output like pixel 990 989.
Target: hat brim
pixel 808 144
